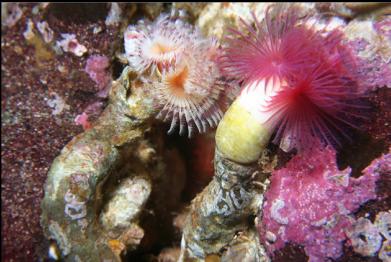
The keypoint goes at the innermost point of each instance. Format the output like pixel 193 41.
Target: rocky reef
pixel 89 92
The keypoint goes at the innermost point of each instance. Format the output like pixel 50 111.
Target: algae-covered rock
pixel 98 185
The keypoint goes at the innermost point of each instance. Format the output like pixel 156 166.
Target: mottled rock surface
pixel 34 127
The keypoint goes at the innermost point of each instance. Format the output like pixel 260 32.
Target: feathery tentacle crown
pixel 300 81
pixel 186 80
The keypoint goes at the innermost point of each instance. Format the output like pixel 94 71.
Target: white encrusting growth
pixel 69 43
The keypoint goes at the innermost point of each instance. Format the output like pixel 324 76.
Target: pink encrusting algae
pixel 310 202
pixel 374 70
pixel 185 80
pixel 96 68
pixel 308 76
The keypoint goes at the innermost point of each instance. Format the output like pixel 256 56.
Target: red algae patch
pixel 310 203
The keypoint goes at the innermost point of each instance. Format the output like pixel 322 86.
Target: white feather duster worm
pixel 184 75
pixel 157 44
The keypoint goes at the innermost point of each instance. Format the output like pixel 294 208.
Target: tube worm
pixel 220 211
pixel 297 83
pixel 185 79
pixel 158 44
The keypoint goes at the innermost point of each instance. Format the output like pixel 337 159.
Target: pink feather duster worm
pixel 301 81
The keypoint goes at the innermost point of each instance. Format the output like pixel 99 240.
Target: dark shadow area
pixel 117 69
pixel 78 13
pixel 360 154
pixel 290 252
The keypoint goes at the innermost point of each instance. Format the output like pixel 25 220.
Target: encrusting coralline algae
pixel 311 203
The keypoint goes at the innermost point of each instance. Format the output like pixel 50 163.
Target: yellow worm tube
pixel 240 137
